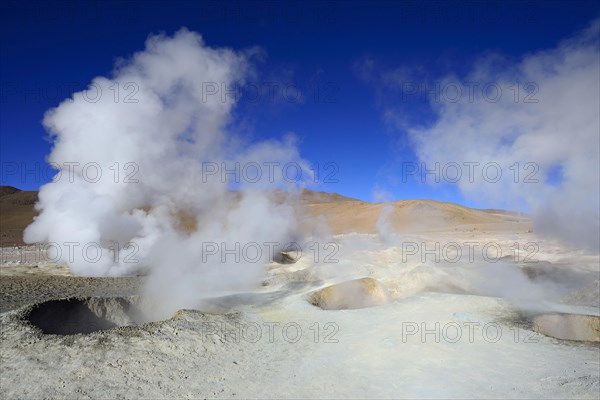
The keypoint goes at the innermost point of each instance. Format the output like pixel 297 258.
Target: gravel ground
pixel 18 291
pixel 246 351
pixel 27 276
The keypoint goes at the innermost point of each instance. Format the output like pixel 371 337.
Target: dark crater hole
pixel 84 315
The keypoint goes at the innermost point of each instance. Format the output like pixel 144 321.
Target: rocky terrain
pixel 380 322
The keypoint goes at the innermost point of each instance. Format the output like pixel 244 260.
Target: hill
pixel 342 214
pixel 16 212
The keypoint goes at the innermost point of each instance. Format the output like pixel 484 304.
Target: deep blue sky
pixel 51 49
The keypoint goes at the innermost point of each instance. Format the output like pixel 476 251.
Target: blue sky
pixel 335 53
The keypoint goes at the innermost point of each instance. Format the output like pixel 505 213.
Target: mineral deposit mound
pixel 569 326
pixel 358 293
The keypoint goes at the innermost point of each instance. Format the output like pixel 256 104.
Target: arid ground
pixel 381 321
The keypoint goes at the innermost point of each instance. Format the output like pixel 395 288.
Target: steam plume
pixel 555 129
pixel 152 142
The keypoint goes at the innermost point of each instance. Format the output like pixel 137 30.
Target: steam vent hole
pixel 83 315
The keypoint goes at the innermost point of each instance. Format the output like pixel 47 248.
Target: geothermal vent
pixel 83 315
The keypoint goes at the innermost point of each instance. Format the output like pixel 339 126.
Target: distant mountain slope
pixel 16 212
pixel 6 190
pixel 414 216
pixel 343 214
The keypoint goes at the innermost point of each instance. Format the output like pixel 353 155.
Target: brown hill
pixel 342 214
pixel 16 212
pixel 351 215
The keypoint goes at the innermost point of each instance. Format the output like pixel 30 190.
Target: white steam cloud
pixel 152 131
pixel 553 123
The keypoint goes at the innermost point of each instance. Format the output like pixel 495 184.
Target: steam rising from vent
pixel 154 193
pixel 545 139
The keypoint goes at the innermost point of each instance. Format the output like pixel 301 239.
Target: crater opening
pixel 84 315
